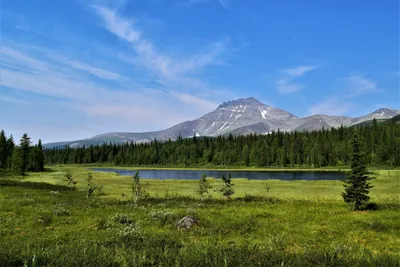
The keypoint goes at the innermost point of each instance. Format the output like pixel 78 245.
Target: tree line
pixel 20 158
pixel 380 143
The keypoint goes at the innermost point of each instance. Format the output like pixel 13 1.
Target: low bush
pixel 121 218
pixel 162 216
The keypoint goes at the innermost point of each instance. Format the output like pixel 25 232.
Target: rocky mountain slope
pixel 238 117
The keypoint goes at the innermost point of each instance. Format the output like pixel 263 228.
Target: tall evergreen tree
pixel 37 158
pixel 40 156
pixel 10 149
pixel 17 162
pixel 24 146
pixel 356 185
pixel 3 150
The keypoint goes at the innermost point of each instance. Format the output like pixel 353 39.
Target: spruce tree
pixel 3 150
pixel 24 146
pixel 204 186
pixel 356 184
pixel 40 156
pixel 227 186
pixel 138 189
pixel 17 162
pixel 37 158
pixel 10 148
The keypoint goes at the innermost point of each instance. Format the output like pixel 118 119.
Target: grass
pixel 296 223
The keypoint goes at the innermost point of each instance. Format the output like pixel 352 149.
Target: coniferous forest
pixel 381 146
pixel 20 158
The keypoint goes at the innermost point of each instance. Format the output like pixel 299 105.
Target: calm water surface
pixel 251 175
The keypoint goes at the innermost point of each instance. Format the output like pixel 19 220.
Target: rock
pixel 187 222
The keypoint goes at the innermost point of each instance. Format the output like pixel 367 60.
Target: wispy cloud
pixel 331 106
pixel 355 85
pixel 177 84
pixel 298 71
pixel 14 100
pixel 142 105
pixel 287 84
pixel 143 87
pixel 100 73
pixel 359 84
pixel 180 71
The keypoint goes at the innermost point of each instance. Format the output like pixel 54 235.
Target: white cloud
pixel 46 78
pixel 358 84
pixel 332 106
pixel 355 85
pixel 159 88
pixel 179 71
pixel 286 84
pixel 195 101
pixel 298 71
pixel 100 73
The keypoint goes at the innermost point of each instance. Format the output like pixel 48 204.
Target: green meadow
pixel 265 223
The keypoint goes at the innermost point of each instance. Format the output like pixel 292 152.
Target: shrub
pixel 371 206
pixel 59 210
pixel 91 187
pixel 203 187
pixel 162 216
pixel 138 189
pixel 122 218
pixel 45 218
pixel 227 186
pixel 267 187
pixel 131 230
pixel 102 223
pixel 69 179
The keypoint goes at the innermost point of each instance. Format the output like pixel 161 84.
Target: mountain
pixel 237 117
pixel 382 114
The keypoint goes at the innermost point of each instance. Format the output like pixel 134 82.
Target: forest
pixel 322 148
pixel 20 158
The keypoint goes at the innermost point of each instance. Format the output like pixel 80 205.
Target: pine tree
pixel 356 185
pixel 24 146
pixel 204 186
pixel 91 187
pixel 36 158
pixel 138 189
pixel 10 149
pixel 3 150
pixel 17 162
pixel 227 186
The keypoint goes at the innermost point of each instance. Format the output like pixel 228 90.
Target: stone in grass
pixel 187 222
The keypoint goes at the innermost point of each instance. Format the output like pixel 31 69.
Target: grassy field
pixel 295 223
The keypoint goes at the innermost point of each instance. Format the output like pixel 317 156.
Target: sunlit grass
pixel 299 223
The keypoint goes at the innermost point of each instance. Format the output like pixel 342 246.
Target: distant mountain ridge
pixel 238 117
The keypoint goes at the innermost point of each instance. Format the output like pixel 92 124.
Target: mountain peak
pixel 241 101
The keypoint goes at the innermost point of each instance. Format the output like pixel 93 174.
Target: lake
pixel 251 175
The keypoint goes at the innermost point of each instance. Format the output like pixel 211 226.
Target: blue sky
pixel 73 69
